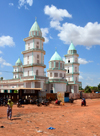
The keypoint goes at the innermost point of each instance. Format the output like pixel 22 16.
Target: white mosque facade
pixel 61 76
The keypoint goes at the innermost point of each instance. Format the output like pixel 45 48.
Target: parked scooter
pixel 19 103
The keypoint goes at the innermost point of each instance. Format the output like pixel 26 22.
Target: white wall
pixel 34 58
pixel 25 58
pixel 68 67
pixel 40 71
pixel 31 44
pixel 59 87
pixel 76 67
pixel 71 58
pixel 26 71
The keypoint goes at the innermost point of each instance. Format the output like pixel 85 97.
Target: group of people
pixel 3 101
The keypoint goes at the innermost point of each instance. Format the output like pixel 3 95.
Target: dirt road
pixel 68 120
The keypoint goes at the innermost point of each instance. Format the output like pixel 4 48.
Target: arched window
pixel 37 72
pixel 75 69
pixel 37 55
pixel 56 64
pixel 28 73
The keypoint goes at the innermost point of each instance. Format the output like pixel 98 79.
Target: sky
pixel 61 22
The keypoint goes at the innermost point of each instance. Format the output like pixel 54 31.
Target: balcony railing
pixel 56 69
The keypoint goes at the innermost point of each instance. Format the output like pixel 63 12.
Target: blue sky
pixel 61 22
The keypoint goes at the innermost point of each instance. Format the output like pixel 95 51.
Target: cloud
pixel 63 58
pixel 11 4
pixel 0 52
pixel 83 61
pixel 6 41
pixel 89 78
pixel 45 31
pixel 56 14
pixel 80 77
pixel 24 3
pixel 88 35
pixel 51 37
pixel 55 24
pixel 4 63
pixel 0 73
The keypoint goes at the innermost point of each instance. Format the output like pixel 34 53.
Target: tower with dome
pixel 56 74
pixel 72 69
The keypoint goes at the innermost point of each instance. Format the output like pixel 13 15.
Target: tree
pixel 15 91
pixel 1 78
pixel 87 89
pixel 99 86
pixel 80 87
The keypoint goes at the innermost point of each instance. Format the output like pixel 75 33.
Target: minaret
pixel 57 74
pixel 72 69
pixel 17 69
pixel 33 56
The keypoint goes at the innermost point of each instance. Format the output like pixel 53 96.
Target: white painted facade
pixel 61 76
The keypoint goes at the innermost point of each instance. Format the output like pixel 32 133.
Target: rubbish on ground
pixel 51 128
pixel 39 131
pixel 1 126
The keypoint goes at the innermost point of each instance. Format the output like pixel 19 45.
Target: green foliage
pixel 87 89
pixel 15 91
pixel 80 88
pixel 99 86
pixel 1 78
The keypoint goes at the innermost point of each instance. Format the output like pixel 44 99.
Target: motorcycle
pixel 19 104
pixel 83 103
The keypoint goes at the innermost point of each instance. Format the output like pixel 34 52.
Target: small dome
pixel 56 56
pixel 35 30
pixel 35 27
pixel 18 62
pixel 72 49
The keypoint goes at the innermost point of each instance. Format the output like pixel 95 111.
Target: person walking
pixel 9 109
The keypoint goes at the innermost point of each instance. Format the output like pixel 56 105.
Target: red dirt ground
pixel 68 120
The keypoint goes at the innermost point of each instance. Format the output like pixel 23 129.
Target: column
pixel 54 64
pixel 41 57
pixel 42 85
pixel 40 45
pixel 32 84
pixel 59 64
pixel 33 43
pixel 72 88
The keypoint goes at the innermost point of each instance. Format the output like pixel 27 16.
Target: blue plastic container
pixel 66 99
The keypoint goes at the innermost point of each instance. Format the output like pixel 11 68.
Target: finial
pixel 55 48
pixel 35 18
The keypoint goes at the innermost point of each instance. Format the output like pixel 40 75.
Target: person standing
pixel 9 109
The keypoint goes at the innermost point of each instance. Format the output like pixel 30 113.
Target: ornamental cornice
pixel 71 55
pixel 34 65
pixel 34 37
pixel 34 49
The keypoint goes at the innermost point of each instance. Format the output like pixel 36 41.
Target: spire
pixel 35 26
pixel 71 49
pixel 56 56
pixel 18 62
pixel 35 19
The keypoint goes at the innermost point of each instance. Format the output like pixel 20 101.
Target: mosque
pixel 61 75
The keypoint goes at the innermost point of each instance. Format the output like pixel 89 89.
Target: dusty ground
pixel 68 120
